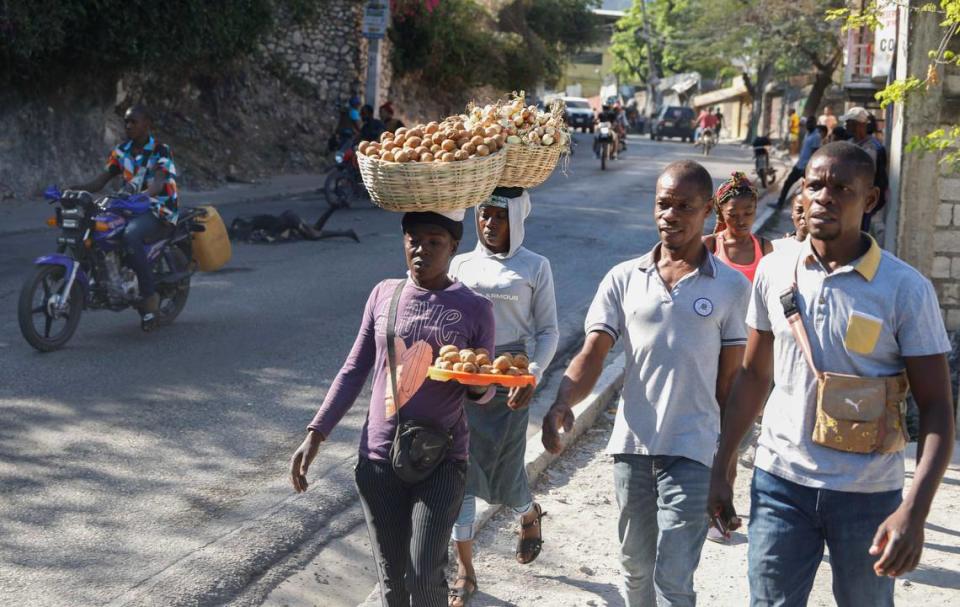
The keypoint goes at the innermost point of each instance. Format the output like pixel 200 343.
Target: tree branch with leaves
pixel 944 141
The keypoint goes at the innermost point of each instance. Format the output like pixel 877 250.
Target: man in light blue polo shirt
pixel 680 314
pixel 866 313
pixel 811 143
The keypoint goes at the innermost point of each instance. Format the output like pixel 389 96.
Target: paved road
pixel 150 469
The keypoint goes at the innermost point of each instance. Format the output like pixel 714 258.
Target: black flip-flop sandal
pixel 528 549
pixel 462 593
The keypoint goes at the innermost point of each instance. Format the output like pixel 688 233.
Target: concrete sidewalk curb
pixel 767 214
pixel 537 457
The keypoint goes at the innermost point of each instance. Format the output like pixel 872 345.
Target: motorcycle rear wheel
pixel 173 297
pixel 46 281
pixel 604 152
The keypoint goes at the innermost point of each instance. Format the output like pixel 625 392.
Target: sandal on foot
pixel 528 548
pixel 462 593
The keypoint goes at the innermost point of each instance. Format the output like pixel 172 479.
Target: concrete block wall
pixel 325 52
pixel 945 271
pixel 928 229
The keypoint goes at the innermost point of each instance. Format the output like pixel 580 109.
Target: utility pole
pixel 376 15
pixel 652 74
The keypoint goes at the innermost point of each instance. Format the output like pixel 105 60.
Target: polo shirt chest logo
pixel 703 307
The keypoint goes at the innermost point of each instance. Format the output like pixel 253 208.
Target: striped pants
pixel 409 529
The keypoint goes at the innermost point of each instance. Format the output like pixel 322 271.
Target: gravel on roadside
pixel 579 566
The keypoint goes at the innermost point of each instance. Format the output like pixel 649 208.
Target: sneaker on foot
pixel 148 311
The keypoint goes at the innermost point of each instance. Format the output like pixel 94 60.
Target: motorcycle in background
pixel 344 183
pixel 706 141
pixel 89 269
pixel 604 138
pixel 761 160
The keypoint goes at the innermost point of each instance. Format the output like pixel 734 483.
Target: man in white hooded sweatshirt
pixel 520 284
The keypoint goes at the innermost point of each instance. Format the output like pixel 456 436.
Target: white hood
pixel 517 210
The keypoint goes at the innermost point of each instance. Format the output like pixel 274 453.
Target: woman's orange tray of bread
pixel 475 368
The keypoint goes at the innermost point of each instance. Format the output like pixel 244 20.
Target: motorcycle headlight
pixel 339 157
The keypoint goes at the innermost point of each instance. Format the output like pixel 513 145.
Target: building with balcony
pixel 592 70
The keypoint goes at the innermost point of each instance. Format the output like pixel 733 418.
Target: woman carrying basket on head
pixel 520 284
pixel 409 520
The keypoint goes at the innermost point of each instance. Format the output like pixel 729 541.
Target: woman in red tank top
pixel 733 241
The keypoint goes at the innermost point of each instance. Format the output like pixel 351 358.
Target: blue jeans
pixel 662 527
pixel 139 231
pixel 790 523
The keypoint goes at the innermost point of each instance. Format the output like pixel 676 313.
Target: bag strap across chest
pixel 790 302
pixel 392 348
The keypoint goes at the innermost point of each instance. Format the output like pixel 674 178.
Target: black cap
pixel 429 217
pixel 508 192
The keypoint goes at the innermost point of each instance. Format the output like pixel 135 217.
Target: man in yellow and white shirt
pixel 868 314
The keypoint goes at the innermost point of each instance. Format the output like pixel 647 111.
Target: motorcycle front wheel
pixel 338 188
pixel 57 326
pixel 604 152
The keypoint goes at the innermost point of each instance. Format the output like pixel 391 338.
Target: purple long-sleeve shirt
pixel 426 321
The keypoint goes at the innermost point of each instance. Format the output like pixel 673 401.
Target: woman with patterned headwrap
pixel 733 241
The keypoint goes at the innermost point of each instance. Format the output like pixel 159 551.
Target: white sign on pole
pixel 885 41
pixel 375 18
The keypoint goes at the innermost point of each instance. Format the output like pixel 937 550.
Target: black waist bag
pixel 418 447
pixel 417 450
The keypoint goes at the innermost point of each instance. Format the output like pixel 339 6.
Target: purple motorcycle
pixel 89 269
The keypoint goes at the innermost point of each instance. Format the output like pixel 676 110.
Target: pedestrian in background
pixel 733 240
pixel 735 244
pixel 793 122
pixel 810 145
pixel 857 122
pixel 799 233
pixel 387 114
pixel 828 119
pixel 372 128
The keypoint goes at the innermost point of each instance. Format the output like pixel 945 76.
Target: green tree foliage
pixel 945 141
pixel 43 40
pixel 459 44
pixel 450 46
pixel 758 39
pixel 553 31
pixel 669 36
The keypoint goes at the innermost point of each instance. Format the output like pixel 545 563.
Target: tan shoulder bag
pixel 854 414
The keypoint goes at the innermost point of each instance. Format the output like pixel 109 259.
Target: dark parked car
pixel 673 121
pixel 579 114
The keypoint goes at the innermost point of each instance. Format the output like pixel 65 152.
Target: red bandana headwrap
pixel 738 185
